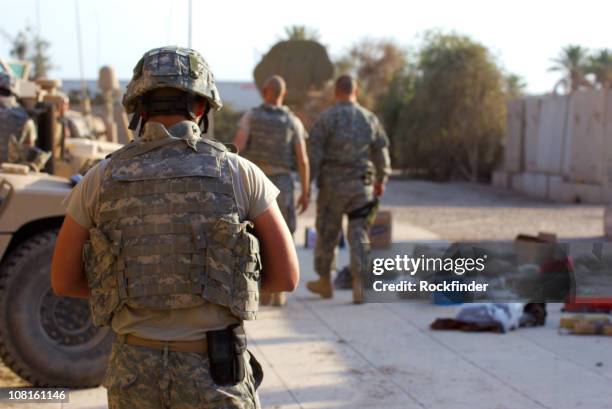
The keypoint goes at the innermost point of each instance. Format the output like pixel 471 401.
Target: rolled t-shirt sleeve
pixel 253 190
pixel 82 203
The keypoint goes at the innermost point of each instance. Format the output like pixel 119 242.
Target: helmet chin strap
pixel 203 122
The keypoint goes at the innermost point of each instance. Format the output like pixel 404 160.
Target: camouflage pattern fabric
pixel 272 133
pixel 168 233
pixel 332 204
pixel 13 121
pixel 144 378
pixel 172 67
pixel 347 149
pixel 347 142
pixel 285 199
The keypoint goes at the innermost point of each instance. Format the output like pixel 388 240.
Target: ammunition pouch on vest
pixel 271 134
pixel 169 234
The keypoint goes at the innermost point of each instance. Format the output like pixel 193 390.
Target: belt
pixel 199 346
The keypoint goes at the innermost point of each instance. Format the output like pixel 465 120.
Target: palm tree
pixel 514 86
pixel 297 32
pixel 600 65
pixel 572 62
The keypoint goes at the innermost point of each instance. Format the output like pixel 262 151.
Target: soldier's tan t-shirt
pixel 254 193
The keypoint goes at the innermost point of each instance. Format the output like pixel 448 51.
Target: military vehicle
pixel 45 339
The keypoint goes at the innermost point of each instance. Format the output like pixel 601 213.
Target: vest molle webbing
pixel 169 234
pixel 271 138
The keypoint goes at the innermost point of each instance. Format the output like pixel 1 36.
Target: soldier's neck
pixel 167 120
pixel 275 102
pixel 345 98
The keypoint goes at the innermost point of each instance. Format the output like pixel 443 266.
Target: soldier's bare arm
pixel 303 166
pixel 29 135
pixel 67 275
pixel 241 138
pixel 280 262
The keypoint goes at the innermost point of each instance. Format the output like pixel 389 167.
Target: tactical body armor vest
pixel 169 234
pixel 270 144
pixel 12 121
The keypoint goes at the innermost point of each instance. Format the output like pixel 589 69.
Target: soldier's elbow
pixel 292 280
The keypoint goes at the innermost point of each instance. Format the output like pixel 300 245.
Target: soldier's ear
pixel 200 106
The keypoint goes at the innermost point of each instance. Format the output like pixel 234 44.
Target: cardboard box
pixel 380 231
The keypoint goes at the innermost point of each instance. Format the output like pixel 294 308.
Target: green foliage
pixel 375 63
pixel 600 65
pixel 514 86
pixel 226 123
pixel 391 104
pixel 28 45
pixel 453 125
pixel 572 62
pixel 299 32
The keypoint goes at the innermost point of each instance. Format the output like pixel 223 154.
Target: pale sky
pixel 232 35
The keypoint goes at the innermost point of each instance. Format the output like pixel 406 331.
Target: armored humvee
pixel 45 339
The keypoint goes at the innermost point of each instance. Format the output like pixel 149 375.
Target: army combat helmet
pixel 171 67
pixel 7 83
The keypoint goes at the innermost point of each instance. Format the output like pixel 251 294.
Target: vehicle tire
pixel 47 340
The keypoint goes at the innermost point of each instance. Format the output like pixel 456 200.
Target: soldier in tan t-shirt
pixel 254 194
pixel 158 238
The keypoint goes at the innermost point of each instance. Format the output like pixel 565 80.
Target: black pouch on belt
pixel 225 355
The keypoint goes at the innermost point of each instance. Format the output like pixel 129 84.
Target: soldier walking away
pixel 273 138
pixel 17 129
pixel 169 261
pixel 349 158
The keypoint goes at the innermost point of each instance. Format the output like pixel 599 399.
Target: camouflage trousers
pixel 333 202
pixel 145 378
pixel 285 199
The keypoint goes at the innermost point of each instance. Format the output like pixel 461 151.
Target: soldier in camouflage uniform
pixel 169 260
pixel 273 138
pixel 349 158
pixel 14 120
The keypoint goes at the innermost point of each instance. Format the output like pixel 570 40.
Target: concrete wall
pixel 559 147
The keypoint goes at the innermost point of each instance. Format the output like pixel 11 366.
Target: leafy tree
pixel 20 46
pixel 375 63
pixel 299 32
pixel 600 65
pixel 453 125
pixel 514 86
pixel 392 103
pixel 572 63
pixel 226 123
pixel 28 45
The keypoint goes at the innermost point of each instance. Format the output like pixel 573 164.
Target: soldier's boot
pixel 322 286
pixel 279 299
pixel 265 298
pixel 357 290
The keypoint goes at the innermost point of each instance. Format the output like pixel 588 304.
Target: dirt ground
pixel 464 211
